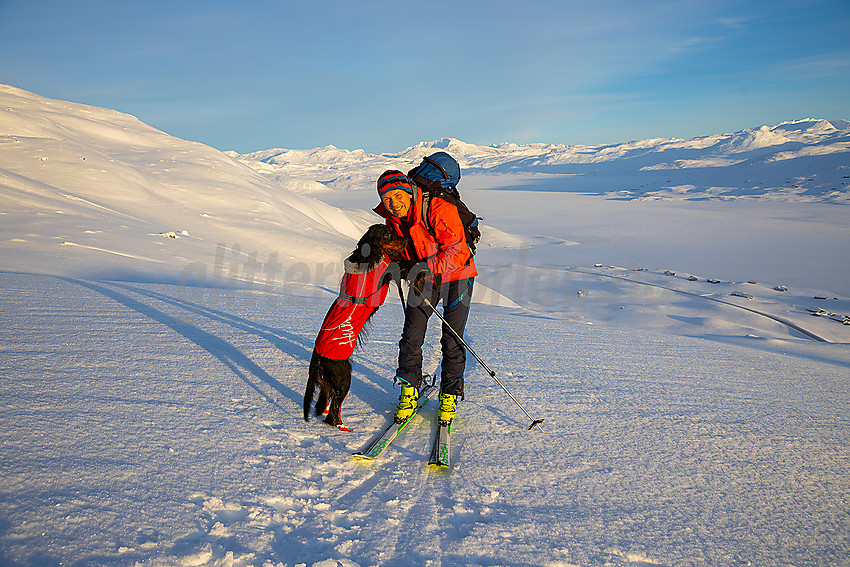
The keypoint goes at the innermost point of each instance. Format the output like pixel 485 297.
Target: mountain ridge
pixel 710 166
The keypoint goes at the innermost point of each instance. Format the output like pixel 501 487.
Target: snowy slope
pixel 150 387
pixel 106 188
pixel 154 425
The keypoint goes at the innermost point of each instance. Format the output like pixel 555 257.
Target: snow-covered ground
pixel 159 301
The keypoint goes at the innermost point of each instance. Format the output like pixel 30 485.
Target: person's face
pixel 397 202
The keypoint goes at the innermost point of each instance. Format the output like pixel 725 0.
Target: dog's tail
pixel 313 381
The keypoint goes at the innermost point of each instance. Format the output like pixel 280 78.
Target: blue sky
pixel 384 75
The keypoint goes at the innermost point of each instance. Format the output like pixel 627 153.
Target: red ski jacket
pixel 360 295
pixel 445 249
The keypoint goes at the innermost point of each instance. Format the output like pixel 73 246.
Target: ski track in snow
pixel 160 425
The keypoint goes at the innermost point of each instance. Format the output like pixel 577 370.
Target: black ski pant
pixel 456 297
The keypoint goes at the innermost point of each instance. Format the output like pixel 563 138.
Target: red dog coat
pixel 360 294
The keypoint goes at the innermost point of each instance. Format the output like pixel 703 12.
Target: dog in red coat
pixel 363 289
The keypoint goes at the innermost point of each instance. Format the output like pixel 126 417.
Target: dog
pixel 363 289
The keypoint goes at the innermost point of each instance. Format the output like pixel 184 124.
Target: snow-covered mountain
pixel 803 160
pixel 95 192
pixel 89 189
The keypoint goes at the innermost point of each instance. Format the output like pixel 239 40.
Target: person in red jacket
pixel 441 268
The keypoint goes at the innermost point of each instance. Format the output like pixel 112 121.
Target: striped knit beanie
pixel 391 180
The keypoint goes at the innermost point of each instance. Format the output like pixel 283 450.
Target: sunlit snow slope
pixel 87 189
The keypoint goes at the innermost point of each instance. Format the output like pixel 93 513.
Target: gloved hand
pixel 423 279
pixel 405 267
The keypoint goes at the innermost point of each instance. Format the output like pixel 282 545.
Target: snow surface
pixel 160 300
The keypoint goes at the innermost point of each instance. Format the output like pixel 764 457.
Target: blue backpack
pixel 438 176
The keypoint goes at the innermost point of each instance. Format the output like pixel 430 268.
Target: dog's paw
pixel 340 426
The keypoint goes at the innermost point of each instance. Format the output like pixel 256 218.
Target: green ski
pixel 379 445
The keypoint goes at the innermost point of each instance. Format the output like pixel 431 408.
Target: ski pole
pixel 534 422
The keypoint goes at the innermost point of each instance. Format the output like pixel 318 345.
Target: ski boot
pixel 448 408
pixel 407 402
